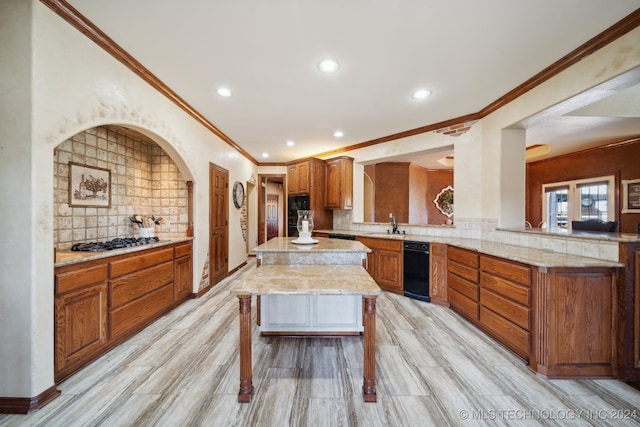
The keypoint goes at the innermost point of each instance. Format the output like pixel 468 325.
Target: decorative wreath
pixel 444 201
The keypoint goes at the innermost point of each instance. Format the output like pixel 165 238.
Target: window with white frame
pixel 579 200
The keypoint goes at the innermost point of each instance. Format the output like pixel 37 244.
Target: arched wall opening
pixel 146 177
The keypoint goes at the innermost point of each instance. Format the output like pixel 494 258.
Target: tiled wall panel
pixel 144 181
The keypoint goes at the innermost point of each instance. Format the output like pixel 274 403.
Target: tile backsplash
pixel 144 181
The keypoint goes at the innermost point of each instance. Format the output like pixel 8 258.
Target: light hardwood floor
pixel 433 369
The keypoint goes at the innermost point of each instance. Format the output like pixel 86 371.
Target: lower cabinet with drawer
pixel 560 320
pixel 505 303
pixel 100 303
pixel 462 282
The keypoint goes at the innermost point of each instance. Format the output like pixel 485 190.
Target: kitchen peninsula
pixel 566 316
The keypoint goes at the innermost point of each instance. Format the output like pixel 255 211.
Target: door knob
pixel 215 233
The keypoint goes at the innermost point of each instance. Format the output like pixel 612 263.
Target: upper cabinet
pixel 308 176
pixel 299 177
pixel 339 183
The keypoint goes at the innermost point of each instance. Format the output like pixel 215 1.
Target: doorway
pixel 218 223
pixel 270 185
pixel 272 216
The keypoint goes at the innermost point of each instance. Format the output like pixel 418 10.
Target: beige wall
pixel 489 172
pixel 56 84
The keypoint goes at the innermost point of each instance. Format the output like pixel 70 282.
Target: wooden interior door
pixel 272 216
pixel 218 223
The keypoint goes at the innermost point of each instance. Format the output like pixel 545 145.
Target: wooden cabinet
pixel 309 177
pixel 339 189
pixel 141 287
pixel 628 314
pixel 80 316
pixel 183 271
pixel 505 303
pixel 574 322
pixel 463 282
pixel 562 321
pixel 494 294
pixel 100 303
pixel 298 175
pixel 438 271
pixel 384 263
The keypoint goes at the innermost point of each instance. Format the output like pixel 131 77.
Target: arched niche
pixel 147 176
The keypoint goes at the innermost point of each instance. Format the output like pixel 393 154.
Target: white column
pixel 512 170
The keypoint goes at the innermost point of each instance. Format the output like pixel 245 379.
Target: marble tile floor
pixel 433 369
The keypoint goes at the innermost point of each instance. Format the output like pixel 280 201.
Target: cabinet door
pixel 333 185
pixel 389 270
pixel 339 187
pixel 80 327
pixel 303 177
pixel 438 260
pixel 292 179
pixel 183 278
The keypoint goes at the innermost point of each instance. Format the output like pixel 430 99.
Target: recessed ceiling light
pixel 290 143
pixel 421 94
pixel 265 155
pixel 224 92
pixel 328 66
pixel 338 134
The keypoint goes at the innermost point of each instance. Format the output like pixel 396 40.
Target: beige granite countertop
pixel 285 244
pixel 72 257
pixel 307 280
pixel 587 235
pixel 531 256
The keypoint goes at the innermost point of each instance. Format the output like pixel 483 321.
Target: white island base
pixel 311 314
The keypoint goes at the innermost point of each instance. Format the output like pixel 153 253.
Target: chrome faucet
pixel 394 224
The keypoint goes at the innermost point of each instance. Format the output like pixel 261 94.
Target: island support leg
pixel 369 323
pixel 246 381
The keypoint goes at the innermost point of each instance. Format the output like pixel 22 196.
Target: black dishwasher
pixel 416 270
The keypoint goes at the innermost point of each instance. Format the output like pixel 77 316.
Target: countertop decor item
pixel 146 224
pixel 89 186
pixel 305 227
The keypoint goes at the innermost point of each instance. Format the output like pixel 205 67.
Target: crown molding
pixel 82 24
pixel 86 27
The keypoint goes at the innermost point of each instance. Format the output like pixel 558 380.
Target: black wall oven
pixel 295 203
pixel 416 270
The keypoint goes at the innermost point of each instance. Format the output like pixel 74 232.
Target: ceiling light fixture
pixel 224 92
pixel 290 143
pixel 265 155
pixel 421 94
pixel 328 66
pixel 338 134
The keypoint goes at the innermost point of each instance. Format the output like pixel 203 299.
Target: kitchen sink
pixel 384 234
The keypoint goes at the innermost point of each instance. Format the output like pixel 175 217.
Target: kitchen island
pixel 303 313
pixel 319 280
